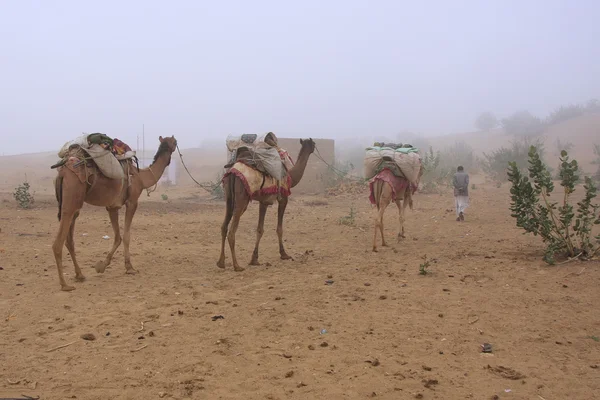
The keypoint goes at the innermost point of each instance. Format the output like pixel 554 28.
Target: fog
pixel 338 69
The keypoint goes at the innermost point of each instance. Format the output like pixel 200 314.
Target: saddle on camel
pixel 98 170
pixel 260 170
pixel 394 172
pixel 260 164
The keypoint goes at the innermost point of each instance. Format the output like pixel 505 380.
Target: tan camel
pixel 74 188
pixel 237 199
pixel 383 195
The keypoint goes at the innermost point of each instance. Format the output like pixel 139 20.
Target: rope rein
pixel 208 187
pixel 338 172
pixel 211 187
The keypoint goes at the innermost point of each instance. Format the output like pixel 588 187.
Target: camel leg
pixel 129 213
pixel 224 227
pixel 259 232
pixel 237 214
pixel 382 199
pixel 280 213
pixel 67 217
pixel 401 208
pixel 70 244
pixel 113 213
pixel 228 186
pixel 375 229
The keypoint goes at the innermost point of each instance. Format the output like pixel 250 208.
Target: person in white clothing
pixel 461 192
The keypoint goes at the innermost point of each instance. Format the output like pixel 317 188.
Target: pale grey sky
pixel 200 69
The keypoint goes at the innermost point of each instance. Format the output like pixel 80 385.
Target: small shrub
pixel 423 267
pixel 597 162
pixel 164 197
pixel 337 174
pixel 496 163
pixel 22 195
pixel 350 219
pixel 564 113
pixel 435 176
pixel 566 231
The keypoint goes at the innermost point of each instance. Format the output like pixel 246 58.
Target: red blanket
pixel 257 184
pixel 397 184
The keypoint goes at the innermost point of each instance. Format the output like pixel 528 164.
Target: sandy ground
pixel 379 330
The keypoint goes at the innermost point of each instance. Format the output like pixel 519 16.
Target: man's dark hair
pixel 460 168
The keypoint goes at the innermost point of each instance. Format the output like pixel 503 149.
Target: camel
pixel 382 194
pixel 237 198
pixel 74 188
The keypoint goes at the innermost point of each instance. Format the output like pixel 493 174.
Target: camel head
pixel 168 143
pixel 308 145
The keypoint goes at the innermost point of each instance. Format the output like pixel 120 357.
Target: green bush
pixel 566 231
pixel 23 197
pixel 495 164
pixel 435 175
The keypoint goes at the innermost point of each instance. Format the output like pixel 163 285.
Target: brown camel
pixel 74 188
pixel 237 198
pixel 382 194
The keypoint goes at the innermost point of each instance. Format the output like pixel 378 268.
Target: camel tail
pixel 58 184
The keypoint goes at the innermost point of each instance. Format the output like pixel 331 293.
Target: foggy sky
pixel 334 69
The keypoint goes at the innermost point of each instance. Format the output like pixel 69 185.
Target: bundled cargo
pixel 263 151
pixel 405 157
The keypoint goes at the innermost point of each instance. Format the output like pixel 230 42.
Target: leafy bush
pixel 216 187
pixel 496 163
pixel 435 175
pixel 560 146
pixel 458 154
pixel 338 174
pixel 564 113
pixel 350 219
pixel 597 161
pixel 564 230
pixel 22 195
pixel 423 267
pixel 592 106
pixel 522 123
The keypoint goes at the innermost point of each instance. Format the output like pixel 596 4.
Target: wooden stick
pixel 570 259
pixel 141 348
pixel 60 347
pixel 475 320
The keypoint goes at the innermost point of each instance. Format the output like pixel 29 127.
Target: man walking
pixel 461 192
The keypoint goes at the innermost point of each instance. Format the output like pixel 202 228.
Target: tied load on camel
pixel 260 170
pixel 98 170
pixel 394 172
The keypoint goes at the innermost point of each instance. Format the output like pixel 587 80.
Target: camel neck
pixel 297 171
pixel 152 174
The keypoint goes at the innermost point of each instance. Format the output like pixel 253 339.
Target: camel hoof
pixel 221 264
pixel 100 267
pixel 384 245
pixel 131 271
pixel 80 278
pixel 67 288
pixel 375 250
pixel 286 257
pixel 254 263
pixel 239 269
